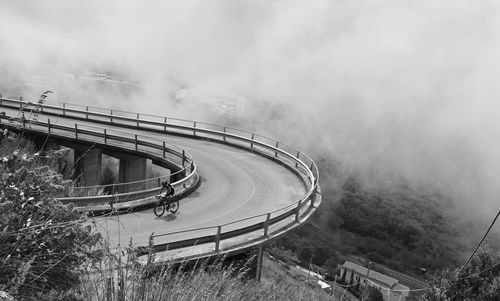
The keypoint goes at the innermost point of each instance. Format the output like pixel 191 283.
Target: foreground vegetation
pixel 479 280
pixel 42 242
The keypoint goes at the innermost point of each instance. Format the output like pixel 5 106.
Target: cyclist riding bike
pixel 165 200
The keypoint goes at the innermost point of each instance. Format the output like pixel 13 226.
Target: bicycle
pixel 164 202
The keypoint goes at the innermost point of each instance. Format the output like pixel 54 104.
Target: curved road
pixel 235 184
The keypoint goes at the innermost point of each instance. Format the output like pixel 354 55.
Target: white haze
pixel 390 89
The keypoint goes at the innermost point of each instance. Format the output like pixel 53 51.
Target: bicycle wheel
pixel 174 206
pixel 159 209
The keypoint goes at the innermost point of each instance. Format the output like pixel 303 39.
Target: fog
pixel 389 90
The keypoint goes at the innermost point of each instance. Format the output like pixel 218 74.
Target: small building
pixel 390 288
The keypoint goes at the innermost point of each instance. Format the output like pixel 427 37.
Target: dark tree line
pixel 404 228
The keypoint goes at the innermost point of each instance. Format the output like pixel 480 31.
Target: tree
pixel 108 178
pixel 331 266
pixel 42 242
pixel 479 280
pixel 371 293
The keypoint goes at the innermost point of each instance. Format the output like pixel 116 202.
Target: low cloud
pixel 390 89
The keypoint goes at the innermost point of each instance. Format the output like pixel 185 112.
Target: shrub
pixel 108 178
pixel 479 280
pixel 372 294
pixel 42 242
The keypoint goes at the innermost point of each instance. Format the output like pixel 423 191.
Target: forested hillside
pixel 402 227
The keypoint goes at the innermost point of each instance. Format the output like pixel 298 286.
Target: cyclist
pixel 165 201
pixel 169 192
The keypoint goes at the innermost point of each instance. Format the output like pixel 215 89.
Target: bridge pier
pixel 88 165
pixel 259 253
pixel 253 258
pixel 38 141
pixel 41 143
pixel 132 169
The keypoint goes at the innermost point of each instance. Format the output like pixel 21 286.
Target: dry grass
pixel 122 278
pixel 127 280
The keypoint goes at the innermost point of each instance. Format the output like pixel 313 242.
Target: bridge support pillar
pixel 38 142
pixel 259 252
pixel 41 143
pixel 252 259
pixel 88 166
pixel 132 169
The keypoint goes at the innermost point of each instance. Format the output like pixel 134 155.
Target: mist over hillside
pixel 389 91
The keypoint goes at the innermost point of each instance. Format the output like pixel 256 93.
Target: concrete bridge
pixel 239 189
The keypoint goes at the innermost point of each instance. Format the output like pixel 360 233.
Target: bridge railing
pixel 261 225
pixel 222 237
pixel 226 134
pixel 194 128
pixel 118 192
pixel 179 126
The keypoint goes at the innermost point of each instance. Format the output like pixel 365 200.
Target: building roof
pixel 373 275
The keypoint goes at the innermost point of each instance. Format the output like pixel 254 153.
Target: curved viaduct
pixel 238 189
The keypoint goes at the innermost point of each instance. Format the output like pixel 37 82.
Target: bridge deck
pixel 235 184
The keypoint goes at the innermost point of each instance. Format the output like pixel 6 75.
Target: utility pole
pixel 481 241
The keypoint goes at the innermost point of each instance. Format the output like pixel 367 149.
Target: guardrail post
pixel 48 124
pixel 266 224
pixel 276 152
pixel 135 141
pixel 313 195
pixel 251 143
pixel 183 157
pixel 258 263
pixel 137 119
pixel 224 136
pixel 105 137
pixel 20 98
pixel 64 109
pixel 297 163
pixel 159 182
pixel 165 124
pixel 194 128
pixel 297 212
pixel 76 131
pixel 87 110
pixel 217 238
pixel 111 113
pixel 164 149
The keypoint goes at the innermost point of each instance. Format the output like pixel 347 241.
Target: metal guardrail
pixel 161 151
pixel 288 155
pixel 261 226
